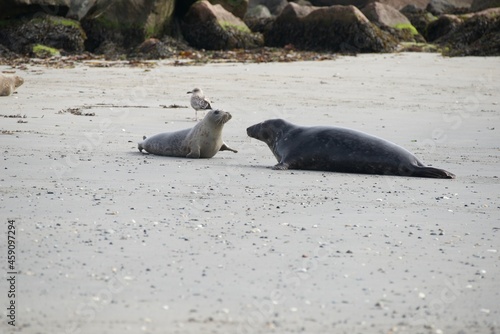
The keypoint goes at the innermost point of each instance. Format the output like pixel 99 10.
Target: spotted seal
pixel 9 83
pixel 204 140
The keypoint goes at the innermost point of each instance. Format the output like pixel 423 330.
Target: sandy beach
pixel 109 240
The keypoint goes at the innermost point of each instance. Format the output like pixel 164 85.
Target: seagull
pixel 199 101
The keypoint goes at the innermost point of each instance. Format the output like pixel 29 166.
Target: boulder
pixel 392 21
pixel 334 28
pixel 478 35
pixel 154 48
pixel 419 18
pixel 444 25
pixel 259 19
pixel 127 23
pixel 398 4
pixel 42 32
pixel 274 6
pixel 258 12
pixel 11 8
pixel 74 9
pixel 385 15
pixel 438 7
pixel 236 7
pixel 211 27
pixel 478 5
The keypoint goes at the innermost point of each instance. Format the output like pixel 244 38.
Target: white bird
pixel 199 101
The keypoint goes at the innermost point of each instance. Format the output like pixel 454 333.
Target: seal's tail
pixel 434 173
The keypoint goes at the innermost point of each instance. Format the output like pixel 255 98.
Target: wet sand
pixel 113 241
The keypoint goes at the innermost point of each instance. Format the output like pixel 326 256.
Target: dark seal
pixel 338 149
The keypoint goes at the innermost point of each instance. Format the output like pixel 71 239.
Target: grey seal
pixel 204 140
pixel 338 149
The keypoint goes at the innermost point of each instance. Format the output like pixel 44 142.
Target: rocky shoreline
pixel 257 31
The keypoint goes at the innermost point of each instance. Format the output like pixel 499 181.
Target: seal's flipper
pixel 432 172
pixel 224 147
pixel 139 147
pixel 194 153
pixel 281 166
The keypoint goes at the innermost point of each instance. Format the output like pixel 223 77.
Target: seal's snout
pixel 225 115
pixel 250 131
pixel 254 130
pixel 19 81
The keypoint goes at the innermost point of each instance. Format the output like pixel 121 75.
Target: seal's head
pixel 268 131
pixel 18 81
pixel 218 117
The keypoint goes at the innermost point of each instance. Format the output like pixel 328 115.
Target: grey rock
pixel 211 27
pixel 385 15
pixel 478 5
pixel 335 28
pixel 258 12
pixel 274 6
pixel 438 7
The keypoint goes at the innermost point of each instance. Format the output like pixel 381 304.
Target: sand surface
pixel 109 240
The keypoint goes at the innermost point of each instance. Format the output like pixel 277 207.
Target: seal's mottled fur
pixel 204 140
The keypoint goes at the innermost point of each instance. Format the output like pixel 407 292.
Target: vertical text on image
pixel 11 272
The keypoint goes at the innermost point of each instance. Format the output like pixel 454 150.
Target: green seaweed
pixel 407 26
pixel 41 50
pixel 227 25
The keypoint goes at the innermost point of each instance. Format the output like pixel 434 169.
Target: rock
pixel 127 23
pixel 12 8
pixel 274 6
pixel 385 15
pixel 73 9
pixel 328 3
pixel 6 53
pixel 478 5
pixel 478 35
pixel 9 83
pixel 419 18
pixel 211 27
pixel 259 19
pixel 335 28
pixel 236 7
pixel 398 4
pixel 438 7
pixel 258 12
pixel 392 21
pixel 444 25
pixel 124 23
pixel 302 2
pixel 21 35
pixel 154 48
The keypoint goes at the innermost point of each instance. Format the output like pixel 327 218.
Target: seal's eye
pixel 216 112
